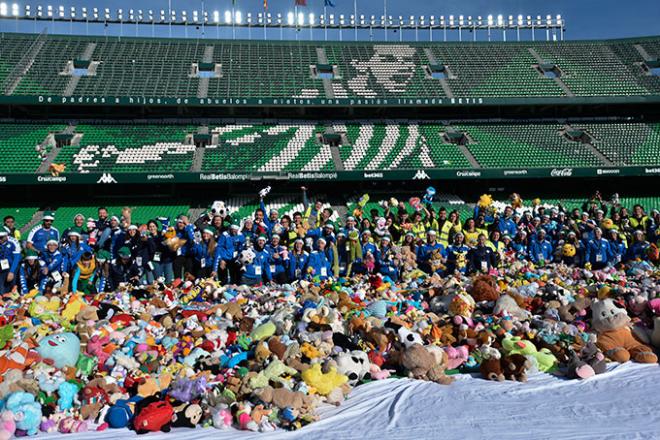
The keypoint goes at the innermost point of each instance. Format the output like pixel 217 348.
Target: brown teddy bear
pixel 422 364
pixel 484 288
pixel 614 335
pixel 491 364
pixel 515 366
pixel 579 307
pixel 283 398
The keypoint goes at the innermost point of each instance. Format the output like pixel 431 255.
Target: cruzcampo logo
pixel 106 178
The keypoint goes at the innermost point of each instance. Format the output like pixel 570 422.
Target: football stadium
pixel 281 221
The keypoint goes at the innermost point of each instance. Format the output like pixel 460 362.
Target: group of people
pixel 100 254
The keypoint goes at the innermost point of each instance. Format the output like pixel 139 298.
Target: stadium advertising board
pixel 109 178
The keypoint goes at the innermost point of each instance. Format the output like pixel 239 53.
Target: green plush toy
pixel 273 372
pixel 264 331
pixel 354 249
pixel 85 365
pixel 516 345
pixel 6 335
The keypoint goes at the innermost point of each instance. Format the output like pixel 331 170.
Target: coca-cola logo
pixel 561 172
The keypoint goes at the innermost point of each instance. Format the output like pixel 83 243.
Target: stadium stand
pixel 18 144
pixel 254 69
pixel 129 148
pixel 302 146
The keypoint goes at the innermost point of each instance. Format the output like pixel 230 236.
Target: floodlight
pixel 14 9
pixel 227 16
pixel 238 17
pixel 500 20
pixel 290 18
pixel 301 19
pixel 3 9
pixel 312 20
pixel 490 20
pixel 520 20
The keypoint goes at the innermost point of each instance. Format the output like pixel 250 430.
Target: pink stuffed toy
pixel 95 347
pixel 7 425
pixel 457 356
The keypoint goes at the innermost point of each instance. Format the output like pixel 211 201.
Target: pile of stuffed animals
pixel 197 354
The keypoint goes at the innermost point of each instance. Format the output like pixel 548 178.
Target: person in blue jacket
pixel 425 251
pixel 183 262
pixel 318 263
pixel 386 264
pixel 618 247
pixel 258 271
pixel 273 216
pixel 327 232
pixel 298 259
pixel 10 257
pixel 368 245
pixel 598 251
pixel 278 259
pixel 52 269
pixel 73 250
pixel 30 272
pixel 540 249
pixel 342 252
pixel 41 234
pixel 457 255
pixel 637 248
pixel 506 224
pixel 206 254
pixel 230 244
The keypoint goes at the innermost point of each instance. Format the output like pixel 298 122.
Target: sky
pixel 585 19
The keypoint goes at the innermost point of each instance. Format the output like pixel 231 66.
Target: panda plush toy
pixel 353 364
pixel 408 338
pixel 246 258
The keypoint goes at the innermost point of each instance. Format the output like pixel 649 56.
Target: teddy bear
pixel 484 288
pixel 544 358
pixel 421 364
pixel 491 364
pixel 507 304
pixel 569 312
pixel 515 366
pixel 283 398
pixel 615 338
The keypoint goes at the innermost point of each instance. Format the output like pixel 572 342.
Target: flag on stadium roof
pixel 329 3
pixel 300 2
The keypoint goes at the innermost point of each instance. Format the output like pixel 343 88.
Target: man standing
pixel 10 257
pixel 42 234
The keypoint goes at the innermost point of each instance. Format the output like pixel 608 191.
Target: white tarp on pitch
pixel 622 403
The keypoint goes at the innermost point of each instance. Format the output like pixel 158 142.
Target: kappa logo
pixel 421 175
pixel 106 178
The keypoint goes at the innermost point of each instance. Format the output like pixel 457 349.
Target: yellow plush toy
pixel 324 384
pixel 568 250
pixel 485 200
pixel 73 307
